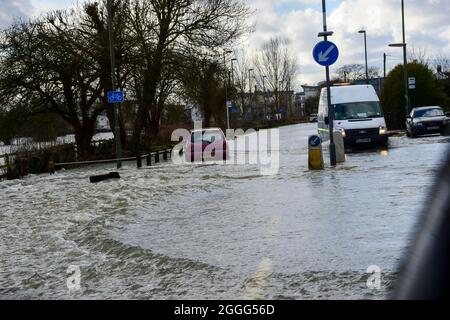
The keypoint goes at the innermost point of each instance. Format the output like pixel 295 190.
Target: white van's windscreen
pixel 358 110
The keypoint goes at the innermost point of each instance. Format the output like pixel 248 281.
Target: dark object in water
pixel 104 177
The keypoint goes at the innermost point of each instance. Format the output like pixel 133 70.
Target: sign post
pixel 326 54
pixel 114 95
pixel 412 83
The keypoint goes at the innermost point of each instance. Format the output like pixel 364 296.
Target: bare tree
pixel 277 67
pixel 164 26
pixel 93 25
pixel 418 55
pixel 442 65
pixel 354 72
pixel 241 79
pixel 40 70
pixel 203 85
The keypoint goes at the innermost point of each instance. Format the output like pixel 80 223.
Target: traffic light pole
pixel 114 86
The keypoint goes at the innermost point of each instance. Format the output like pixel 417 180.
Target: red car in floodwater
pixel 207 144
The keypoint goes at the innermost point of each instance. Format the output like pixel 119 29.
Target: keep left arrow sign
pixel 324 57
pixel 326 53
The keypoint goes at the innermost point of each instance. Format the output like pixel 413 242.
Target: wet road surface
pixel 219 232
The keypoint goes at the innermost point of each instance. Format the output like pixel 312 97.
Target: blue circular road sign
pixel 314 141
pixel 326 53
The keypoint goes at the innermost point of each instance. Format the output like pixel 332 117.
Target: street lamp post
pixel 232 82
pixel 405 60
pixel 250 87
pixel 405 73
pixel 265 97
pixel 114 85
pixel 365 46
pixel 225 53
pixel 282 96
pixel 232 71
pixel 325 34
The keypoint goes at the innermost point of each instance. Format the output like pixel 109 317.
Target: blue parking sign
pixel 116 97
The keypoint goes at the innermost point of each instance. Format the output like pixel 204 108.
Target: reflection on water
pixel 384 153
pixel 225 232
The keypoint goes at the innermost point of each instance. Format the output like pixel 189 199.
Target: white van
pixel 358 115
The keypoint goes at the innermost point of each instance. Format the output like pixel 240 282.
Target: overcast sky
pixel 428 27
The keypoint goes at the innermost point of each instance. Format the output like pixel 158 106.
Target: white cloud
pixel 11 10
pixel 299 21
pixel 427 29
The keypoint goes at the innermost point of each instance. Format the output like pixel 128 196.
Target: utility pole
pixel 326 34
pixel 384 64
pixel 114 85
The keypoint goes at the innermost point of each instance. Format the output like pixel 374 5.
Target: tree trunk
pixel 151 79
pixel 83 137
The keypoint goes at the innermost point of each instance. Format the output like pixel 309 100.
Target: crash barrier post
pixel 51 167
pixel 340 147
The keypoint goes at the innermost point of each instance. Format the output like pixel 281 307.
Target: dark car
pixel 426 120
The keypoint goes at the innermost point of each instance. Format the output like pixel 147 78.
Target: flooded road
pixel 219 232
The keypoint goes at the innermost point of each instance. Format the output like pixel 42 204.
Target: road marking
pixel 254 290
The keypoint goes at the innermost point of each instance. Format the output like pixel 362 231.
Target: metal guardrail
pixel 153 157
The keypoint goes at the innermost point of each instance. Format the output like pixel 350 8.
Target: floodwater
pixel 219 231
